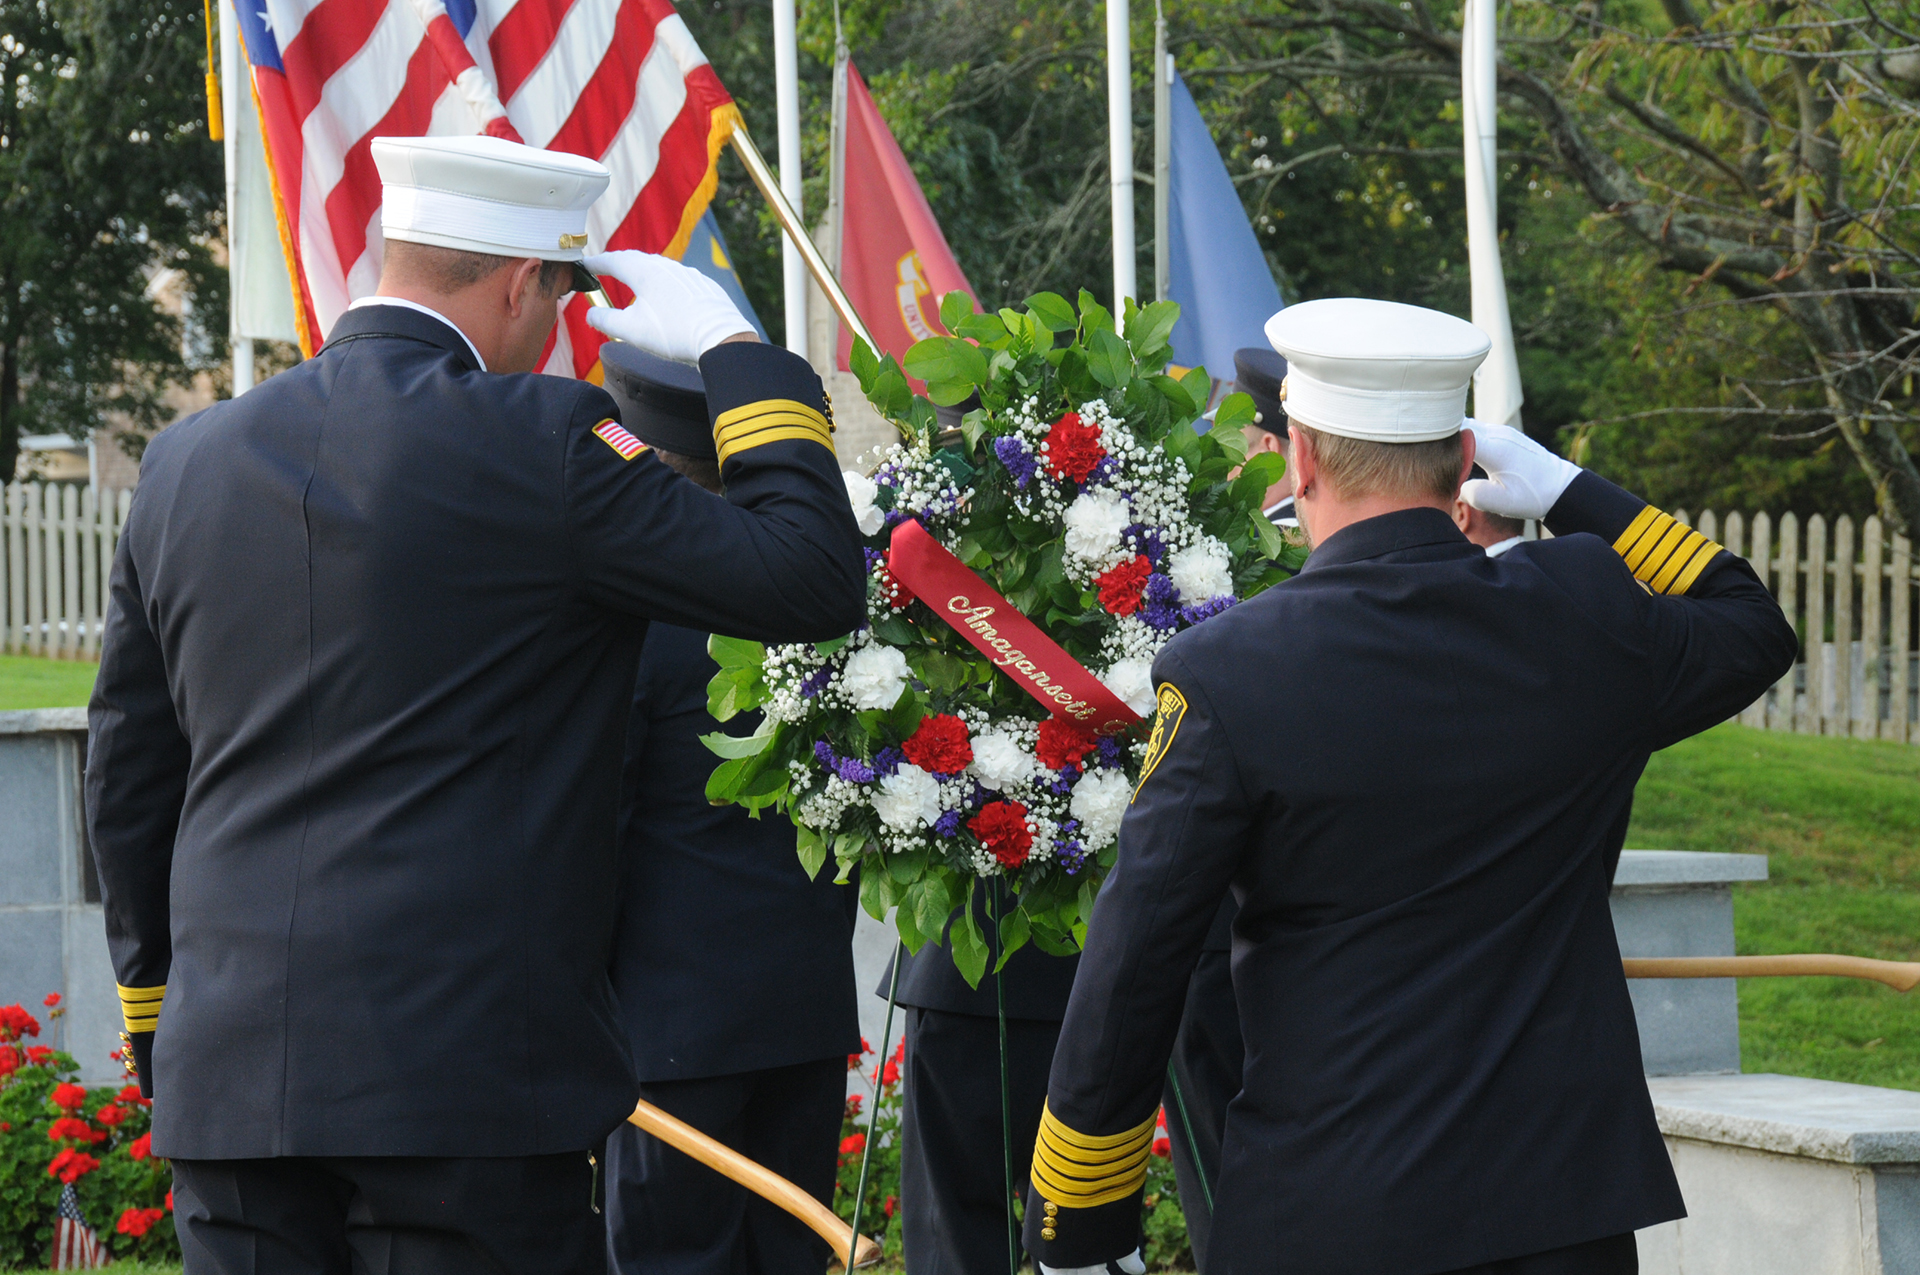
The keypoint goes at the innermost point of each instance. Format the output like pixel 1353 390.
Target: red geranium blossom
pixel 1121 586
pixel 131 1095
pixel 853 1060
pixel 70 1097
pixel 16 1022
pixel 1002 828
pixel 1073 448
pixel 53 998
pixel 39 1053
pixel 9 1060
pixel 137 1222
pixel 1063 743
pixel 141 1147
pixel 70 1166
pixel 890 1074
pixel 169 1200
pixel 110 1115
pixel 939 745
pixel 69 1129
pixel 853 1144
pixel 891 1203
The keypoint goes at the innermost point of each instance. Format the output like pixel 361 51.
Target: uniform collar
pixel 1390 533
pixel 406 319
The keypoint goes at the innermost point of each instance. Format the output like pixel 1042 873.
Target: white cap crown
pixel 1377 370
pixel 486 194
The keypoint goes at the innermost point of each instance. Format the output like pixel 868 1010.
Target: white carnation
pixel 861 491
pixel 1132 681
pixel 908 799
pixel 1099 800
pixel 874 677
pixel 999 762
pixel 1201 571
pixel 1094 522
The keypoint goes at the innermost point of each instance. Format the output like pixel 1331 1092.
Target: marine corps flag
pixel 619 81
pixel 894 262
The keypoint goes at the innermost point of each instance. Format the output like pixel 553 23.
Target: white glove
pixel 677 312
pixel 1523 478
pixel 1131 1264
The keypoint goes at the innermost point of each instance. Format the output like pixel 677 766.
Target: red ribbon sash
pixel 1014 643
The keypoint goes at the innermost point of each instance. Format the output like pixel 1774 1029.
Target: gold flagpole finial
pixel 216 123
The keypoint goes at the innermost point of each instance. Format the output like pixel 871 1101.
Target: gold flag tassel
pixel 216 122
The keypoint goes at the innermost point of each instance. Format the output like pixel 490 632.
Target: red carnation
pixel 137 1222
pixel 16 1022
pixel 1063 743
pixel 69 1097
pixel 1121 586
pixel 896 593
pixel 1073 448
pixel 141 1147
pixel 939 745
pixel 70 1166
pixel 1002 828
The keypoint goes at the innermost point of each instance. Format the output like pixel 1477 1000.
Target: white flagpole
pixel 1162 153
pixel 1120 153
pixel 1496 386
pixel 786 91
pixel 232 104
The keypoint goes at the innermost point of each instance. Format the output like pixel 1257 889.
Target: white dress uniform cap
pixel 1376 370
pixel 486 194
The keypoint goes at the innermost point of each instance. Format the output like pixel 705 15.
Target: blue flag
pixel 707 253
pixel 1216 272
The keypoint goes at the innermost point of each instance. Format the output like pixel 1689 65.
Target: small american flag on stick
pixel 75 1245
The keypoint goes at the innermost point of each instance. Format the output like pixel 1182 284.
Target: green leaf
pixel 943 674
pixel 1266 535
pixel 969 948
pixel 1109 360
pixel 1147 331
pixel 1053 311
pixel 907 866
pixel 928 898
pixel 721 744
pixel 1233 442
pixel 812 848
pixel 947 361
pixel 1014 931
pixel 973 425
pixel 1176 395
pixel 864 364
pixel 876 892
pixel 727 698
pixel 1075 379
pixel 955 308
pixel 987 329
pixel 1094 317
pixel 724 784
pixel 731 652
pixel 1199 385
pixel 1236 411
pixel 1263 471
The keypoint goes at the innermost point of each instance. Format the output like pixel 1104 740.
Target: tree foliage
pixel 109 176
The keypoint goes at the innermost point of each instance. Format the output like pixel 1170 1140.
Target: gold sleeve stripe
pixel 1663 554
pixel 141 1006
pixel 769 421
pixel 1084 1171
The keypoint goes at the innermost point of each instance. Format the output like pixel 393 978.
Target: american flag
pixel 75 1246
pixel 620 81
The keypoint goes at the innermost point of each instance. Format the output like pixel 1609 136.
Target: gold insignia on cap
pixel 573 241
pixel 1171 709
pixel 1283 389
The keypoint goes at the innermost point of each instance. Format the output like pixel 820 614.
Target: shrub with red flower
pixel 1003 828
pixel 39 1055
pixel 71 1165
pixel 890 1074
pixel 69 1129
pixel 853 1144
pixel 1123 586
pixel 137 1222
pixel 110 1115
pixel 853 1060
pixel 141 1147
pixel 68 1097
pixel 1073 448
pixel 891 1203
pixel 1063 743
pixel 16 1022
pixel 131 1096
pixel 939 745
pixel 52 1000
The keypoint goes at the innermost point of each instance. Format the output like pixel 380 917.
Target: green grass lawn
pixel 1839 822
pixel 27 681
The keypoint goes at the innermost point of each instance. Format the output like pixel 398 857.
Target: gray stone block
pixel 32 959
pixel 31 834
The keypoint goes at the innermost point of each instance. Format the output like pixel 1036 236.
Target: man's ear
pixel 1467 448
pixel 1462 515
pixel 1302 464
pixel 523 286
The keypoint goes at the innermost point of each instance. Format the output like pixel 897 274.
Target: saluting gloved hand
pixel 677 312
pixel 1131 1264
pixel 1523 478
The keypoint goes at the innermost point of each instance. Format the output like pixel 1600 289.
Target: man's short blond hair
pixel 1356 468
pixel 451 270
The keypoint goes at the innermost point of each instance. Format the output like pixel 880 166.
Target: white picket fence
pixel 1851 595
pixel 57 555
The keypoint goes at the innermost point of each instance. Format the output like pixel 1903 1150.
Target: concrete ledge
pixel 33 721
pixel 1687 867
pixel 1791 1115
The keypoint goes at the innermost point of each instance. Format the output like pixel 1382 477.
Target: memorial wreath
pixel 1024 570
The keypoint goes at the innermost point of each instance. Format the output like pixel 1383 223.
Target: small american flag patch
pixel 612 435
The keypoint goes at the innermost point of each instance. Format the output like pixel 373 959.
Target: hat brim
pixel 583 279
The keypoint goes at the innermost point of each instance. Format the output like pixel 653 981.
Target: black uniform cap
pixel 662 403
pixel 1258 372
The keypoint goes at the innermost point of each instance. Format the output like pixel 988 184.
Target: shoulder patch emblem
pixel 1170 709
pixel 610 433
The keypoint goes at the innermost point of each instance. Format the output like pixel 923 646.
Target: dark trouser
pixel 1207 1059
pixel 953 1184
pixel 668 1214
pixel 389 1215
pixel 1614 1255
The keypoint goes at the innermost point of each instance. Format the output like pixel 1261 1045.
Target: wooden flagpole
pixel 1900 975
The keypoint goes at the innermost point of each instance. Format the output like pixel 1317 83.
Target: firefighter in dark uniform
pixel 1442 1069
pixel 1204 1070
pixel 953 1159
pixel 355 743
pixel 733 970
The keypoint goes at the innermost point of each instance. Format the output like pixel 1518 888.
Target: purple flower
pixel 1068 850
pixel 887 760
pixel 853 770
pixel 1064 784
pixel 816 682
pixel 948 824
pixel 1110 753
pixel 1018 459
pixel 1162 607
pixel 1148 541
pixel 1208 609
pixel 874 558
pixel 823 753
pixel 1102 473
